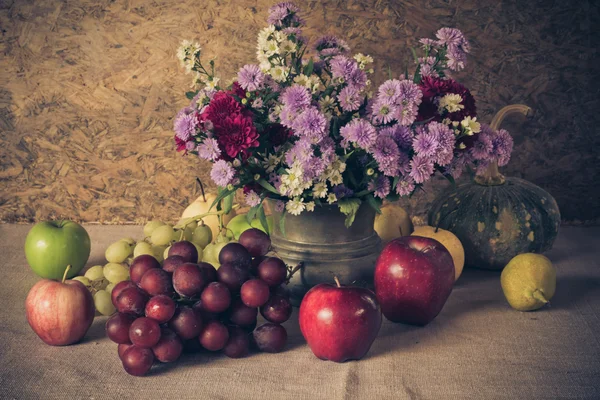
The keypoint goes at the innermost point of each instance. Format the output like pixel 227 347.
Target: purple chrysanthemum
pixel 349 99
pixel 456 59
pixel 383 112
pixel 342 67
pixel 410 93
pixel 191 145
pixel 357 78
pixel 426 42
pixel 330 46
pixel 452 37
pixel 380 186
pixel 342 191
pixel 310 124
pixel 209 149
pixel 406 114
pixel 456 167
pixel 405 186
pixel 222 173
pixel 251 78
pixel 284 14
pixel 185 126
pixel 386 153
pixel 389 91
pixel 425 144
pixel 279 206
pixel 296 97
pixel 252 199
pixel 421 168
pixel 503 146
pixel 360 132
pixel 483 146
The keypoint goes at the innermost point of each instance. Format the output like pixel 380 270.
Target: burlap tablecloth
pixel 477 348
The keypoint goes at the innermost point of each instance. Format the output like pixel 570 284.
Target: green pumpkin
pixel 497 222
pixel 495 217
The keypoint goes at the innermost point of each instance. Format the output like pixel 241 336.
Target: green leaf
pixel 374 203
pixel 362 193
pixel 349 207
pixel 262 182
pixel 263 219
pixel 252 213
pixel 414 53
pixel 227 203
pixel 450 179
pixel 220 196
pixel 389 72
pixel 308 69
pixel 395 182
pixel 190 95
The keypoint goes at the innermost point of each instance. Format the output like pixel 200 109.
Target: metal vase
pixel 320 240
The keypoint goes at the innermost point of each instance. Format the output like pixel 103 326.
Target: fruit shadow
pixel 471 276
pixel 96 332
pixel 571 290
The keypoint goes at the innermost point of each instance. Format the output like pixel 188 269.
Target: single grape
pixel 169 347
pixel 242 315
pixel 186 322
pixel 121 348
pixel 277 309
pixel 86 282
pixel 162 235
pixel 144 332
pixel 255 241
pixel 188 231
pixel 140 265
pixel 215 298
pixel 209 272
pixel 116 273
pixel 270 338
pixel 137 361
pixel 202 235
pixel 185 249
pixel 109 288
pixel 209 253
pixel 273 271
pixel 238 344
pixel 255 292
pixel 118 252
pixel 129 241
pixel 132 301
pixel 156 281
pixel 95 273
pixel 151 226
pixel 214 336
pixel 117 327
pixel 142 248
pixel 159 252
pixel 103 303
pixel 119 287
pixel 233 276
pixel 160 308
pixel 235 253
pixel 171 263
pixel 188 280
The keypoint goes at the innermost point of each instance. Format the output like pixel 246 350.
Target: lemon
pixel 528 281
pixel 450 242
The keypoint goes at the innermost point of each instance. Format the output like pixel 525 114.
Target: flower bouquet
pixel 305 125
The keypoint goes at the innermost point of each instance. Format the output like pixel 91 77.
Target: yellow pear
pixel 528 281
pixel 201 206
pixel 392 223
pixel 450 242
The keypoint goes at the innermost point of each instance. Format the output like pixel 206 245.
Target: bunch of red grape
pixel 166 309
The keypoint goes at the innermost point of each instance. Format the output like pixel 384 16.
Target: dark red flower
pixel 277 134
pixel 180 144
pixel 221 107
pixel 237 90
pixel 255 187
pixel 235 135
pixel 433 89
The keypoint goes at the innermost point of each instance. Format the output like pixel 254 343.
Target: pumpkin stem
pixel 491 176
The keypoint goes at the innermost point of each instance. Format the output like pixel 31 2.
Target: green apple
pixel 239 224
pixel 52 245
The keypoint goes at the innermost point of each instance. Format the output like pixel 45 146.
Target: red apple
pixel 60 313
pixel 339 322
pixel 413 278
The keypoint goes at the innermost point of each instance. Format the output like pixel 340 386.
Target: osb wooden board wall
pixel 88 90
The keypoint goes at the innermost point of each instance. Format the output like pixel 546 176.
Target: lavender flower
pixel 406 114
pixel 455 59
pixel 209 149
pixel 425 144
pixel 330 46
pixel 279 206
pixel 296 97
pixel 301 151
pixel 252 199
pixel 191 145
pixel 284 14
pixel 349 99
pixel 483 146
pixel 410 93
pixel 342 191
pixel 185 125
pixel 357 79
pixel 384 112
pixel 360 132
pixel 386 153
pixel 446 141
pixel 389 91
pixel 452 37
pixel 503 146
pixel 405 186
pixel 251 78
pixel 222 173
pixel 342 67
pixel 311 124
pixel 380 186
pixel 421 168
pixel 428 43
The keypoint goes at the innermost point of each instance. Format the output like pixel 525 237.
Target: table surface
pixel 477 348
